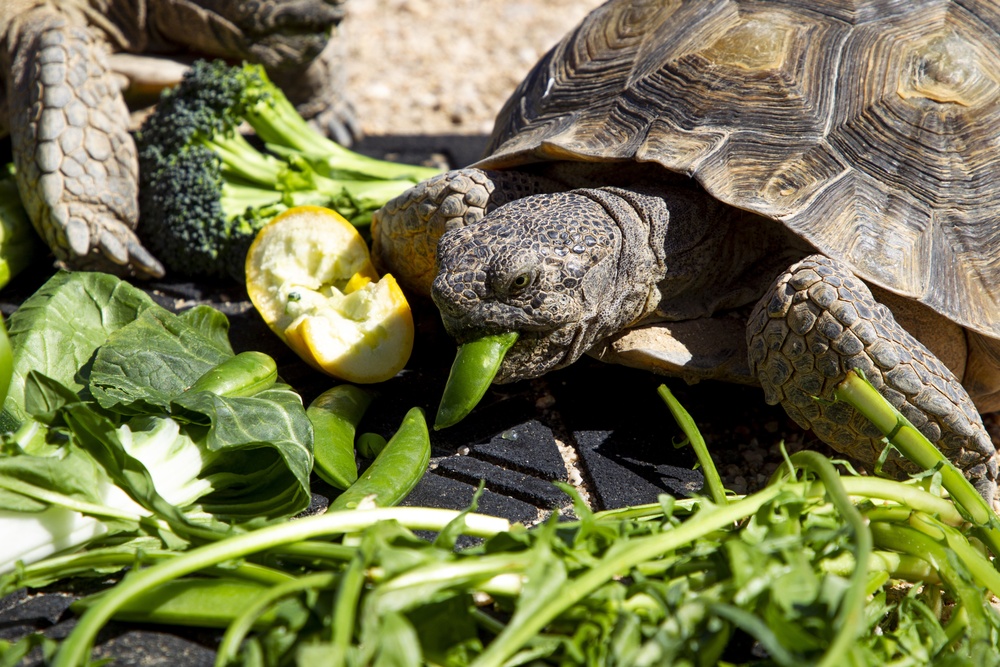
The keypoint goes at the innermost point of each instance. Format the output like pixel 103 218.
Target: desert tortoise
pixel 76 163
pixel 715 189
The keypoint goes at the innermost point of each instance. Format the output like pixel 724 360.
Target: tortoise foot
pixel 76 163
pixel 817 322
pixel 96 241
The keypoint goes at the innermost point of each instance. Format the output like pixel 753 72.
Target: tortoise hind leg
pixel 817 322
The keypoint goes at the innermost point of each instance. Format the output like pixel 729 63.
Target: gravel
pixel 445 66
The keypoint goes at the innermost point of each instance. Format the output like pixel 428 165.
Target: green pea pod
pixel 370 445
pixel 6 362
pixel 396 470
pixel 246 374
pixel 475 366
pixel 335 415
pixel 210 603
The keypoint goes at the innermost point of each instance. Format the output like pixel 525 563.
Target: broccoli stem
pixel 278 123
pixel 353 199
pixel 239 158
pixel 237 197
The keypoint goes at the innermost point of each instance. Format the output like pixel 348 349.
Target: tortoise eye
pixel 520 281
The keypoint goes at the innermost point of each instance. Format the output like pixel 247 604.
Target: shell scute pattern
pixel 871 129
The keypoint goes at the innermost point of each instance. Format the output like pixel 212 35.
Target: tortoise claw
pixel 143 263
pixel 112 248
pixel 119 246
pixel 77 237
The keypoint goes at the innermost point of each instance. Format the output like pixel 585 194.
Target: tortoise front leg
pixel 406 230
pixel 817 322
pixel 77 165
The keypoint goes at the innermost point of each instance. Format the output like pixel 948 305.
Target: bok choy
pixel 110 428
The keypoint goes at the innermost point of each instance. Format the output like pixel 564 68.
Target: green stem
pixel 978 565
pixel 712 479
pixel 646 511
pixel 452 574
pixel 345 609
pixel 893 563
pixel 864 398
pixel 521 629
pixel 969 595
pixel 60 500
pixel 241 159
pixel 312 551
pixel 65 566
pixel 75 650
pixel 907 495
pixel 276 121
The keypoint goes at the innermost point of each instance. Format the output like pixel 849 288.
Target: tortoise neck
pixel 685 255
pixel 642 219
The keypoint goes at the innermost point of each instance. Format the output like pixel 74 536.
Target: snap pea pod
pixel 335 415
pixel 476 364
pixel 245 374
pixel 210 603
pixel 396 470
pixel 370 445
pixel 6 362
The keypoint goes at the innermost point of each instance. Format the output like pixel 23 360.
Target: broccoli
pixel 205 189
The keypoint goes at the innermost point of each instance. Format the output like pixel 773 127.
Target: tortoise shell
pixel 871 129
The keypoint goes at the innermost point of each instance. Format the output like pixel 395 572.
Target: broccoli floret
pixel 205 190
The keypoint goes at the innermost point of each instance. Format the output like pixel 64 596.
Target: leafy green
pixel 151 360
pixel 107 429
pixel 684 582
pixel 57 330
pixel 819 567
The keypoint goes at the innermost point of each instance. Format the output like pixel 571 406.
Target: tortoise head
pixel 547 266
pixel 275 33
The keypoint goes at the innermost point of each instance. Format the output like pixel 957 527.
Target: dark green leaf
pixel 145 364
pixel 73 474
pixel 398 643
pixel 262 442
pixel 57 329
pixel 44 397
pixel 448 633
pixel 212 324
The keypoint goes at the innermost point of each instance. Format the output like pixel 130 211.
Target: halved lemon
pixel 311 278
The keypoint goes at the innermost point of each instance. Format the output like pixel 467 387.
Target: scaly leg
pixel 76 163
pixel 817 322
